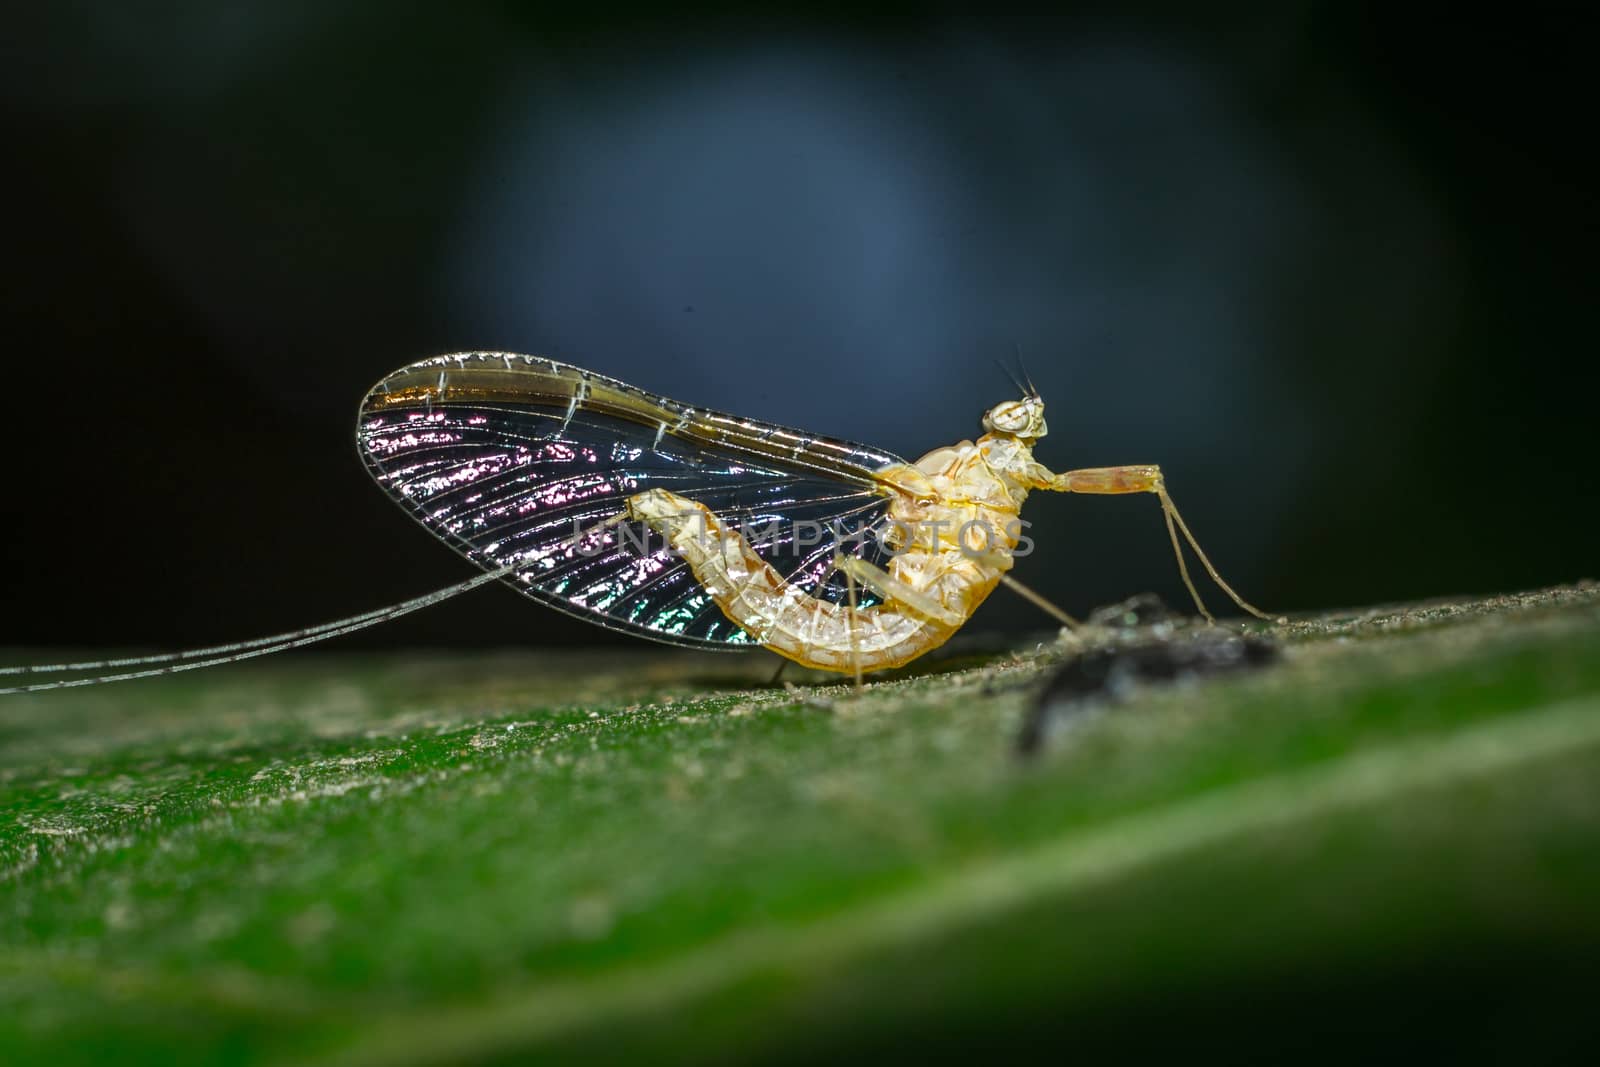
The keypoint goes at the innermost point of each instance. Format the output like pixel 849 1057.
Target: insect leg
pixel 895 591
pixel 1039 601
pixel 850 619
pixel 1146 478
pixel 1001 562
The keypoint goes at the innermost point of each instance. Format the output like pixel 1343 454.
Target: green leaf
pixel 655 856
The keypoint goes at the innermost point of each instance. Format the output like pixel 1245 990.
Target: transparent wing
pixel 516 459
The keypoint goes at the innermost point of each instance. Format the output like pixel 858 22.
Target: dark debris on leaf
pixel 1150 648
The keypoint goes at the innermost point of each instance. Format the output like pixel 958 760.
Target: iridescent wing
pixel 516 460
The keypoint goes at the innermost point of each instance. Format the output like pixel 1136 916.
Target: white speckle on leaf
pixel 311 926
pixel 591 917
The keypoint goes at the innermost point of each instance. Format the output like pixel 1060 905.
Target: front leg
pixel 1146 478
pixel 1110 481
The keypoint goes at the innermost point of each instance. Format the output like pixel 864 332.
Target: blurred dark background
pixel 1329 264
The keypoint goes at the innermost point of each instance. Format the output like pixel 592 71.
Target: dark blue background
pixel 1330 266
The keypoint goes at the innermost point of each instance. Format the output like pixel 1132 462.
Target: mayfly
pixel 695 527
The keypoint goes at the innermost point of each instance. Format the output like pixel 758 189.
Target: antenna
pixel 1009 374
pixel 1032 389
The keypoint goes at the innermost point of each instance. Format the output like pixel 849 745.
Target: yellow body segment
pixel 969 490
